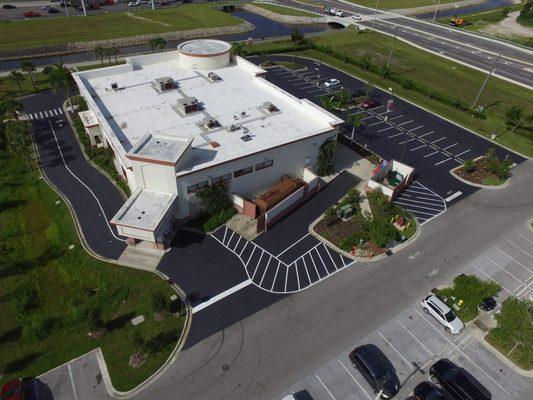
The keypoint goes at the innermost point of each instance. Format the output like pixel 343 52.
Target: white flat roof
pixel 160 148
pixel 144 209
pixel 137 109
pixel 88 118
pixel 204 47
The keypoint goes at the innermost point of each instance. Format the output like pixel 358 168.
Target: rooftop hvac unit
pixel 164 83
pixel 270 107
pixel 234 128
pixel 210 123
pixel 246 138
pixel 214 77
pixel 188 105
pixel 114 86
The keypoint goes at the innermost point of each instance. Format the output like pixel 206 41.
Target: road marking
pixel 414 129
pixel 386 129
pixel 231 237
pixel 453 196
pixel 443 161
pixel 292 245
pixel 438 140
pixel 376 123
pixel 72 382
pixel 419 147
pixel 325 387
pixel 525 238
pixel 355 380
pixel 415 338
pixel 398 134
pixel 464 152
pixel 331 258
pixel 323 263
pixel 30 115
pixel 519 263
pixel 251 255
pixel 519 248
pixel 237 244
pixel 314 264
pixel 414 205
pixel 244 247
pixel 297 275
pixel 430 154
pixel 41 114
pixel 398 116
pixel 407 141
pixel 45 114
pixel 449 147
pixel 286 277
pixel 370 116
pixel 225 233
pixel 306 270
pixel 396 350
pixel 503 269
pixel 221 296
pixel 55 112
pixel 492 279
pixel 525 288
pixel 60 111
pixel 275 276
pixel 258 264
pixel 403 123
pixel 425 134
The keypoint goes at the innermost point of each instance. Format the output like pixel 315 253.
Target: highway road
pixel 515 63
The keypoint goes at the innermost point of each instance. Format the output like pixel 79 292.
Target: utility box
pixel 164 83
pixel 188 105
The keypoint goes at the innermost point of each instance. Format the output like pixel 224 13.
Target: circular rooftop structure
pixel 204 47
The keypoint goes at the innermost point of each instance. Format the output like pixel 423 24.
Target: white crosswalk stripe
pixel 46 114
pixel 422 202
pixel 272 274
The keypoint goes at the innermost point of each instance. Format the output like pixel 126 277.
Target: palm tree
pixel 114 51
pixel 160 43
pixel 369 88
pixel 342 98
pixel 107 53
pixel 327 102
pixel 10 106
pixel 18 139
pixel 238 48
pixel 99 52
pixel 28 67
pixel 60 77
pixel 18 78
pixel 153 44
pixel 356 120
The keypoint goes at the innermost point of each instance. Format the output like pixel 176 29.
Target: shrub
pixel 94 321
pixel 498 167
pixel 330 216
pixel 159 303
pixel 214 198
pixel 472 291
pixel 469 165
pixel 382 231
pixel 218 219
pixel 297 36
pixel 38 329
pixel 160 341
pixel 353 197
pixel 326 157
pixel 24 300
pixel 349 242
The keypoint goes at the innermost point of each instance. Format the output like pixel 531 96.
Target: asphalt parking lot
pixel 413 341
pixel 407 133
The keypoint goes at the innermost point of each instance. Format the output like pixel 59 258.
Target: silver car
pixel 435 307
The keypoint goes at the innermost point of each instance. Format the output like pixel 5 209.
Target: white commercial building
pixel 181 120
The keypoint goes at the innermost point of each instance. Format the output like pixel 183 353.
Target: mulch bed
pixel 479 174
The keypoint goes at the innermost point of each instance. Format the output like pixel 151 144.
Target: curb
pixel 479 185
pixel 188 319
pixel 502 357
pixel 412 103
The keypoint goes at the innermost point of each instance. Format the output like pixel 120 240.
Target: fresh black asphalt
pixel 401 137
pixel 93 223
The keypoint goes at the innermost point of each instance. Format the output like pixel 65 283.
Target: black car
pixel 376 369
pixel 428 391
pixel 357 93
pixel 53 10
pixel 457 382
pixel 9 7
pixel 488 304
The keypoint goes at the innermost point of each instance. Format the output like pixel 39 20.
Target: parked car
pixel 9 7
pixel 357 17
pixel 15 389
pixel 488 304
pixel 458 382
pixel 429 391
pixel 332 83
pixel 31 14
pixel 370 103
pixel 45 8
pixel 339 13
pixel 53 10
pixel 136 3
pixel 435 307
pixel 357 93
pixel 376 370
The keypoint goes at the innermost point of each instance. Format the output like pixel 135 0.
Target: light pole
pixel 392 47
pixel 66 8
pixel 375 12
pixel 153 5
pixel 83 6
pixel 493 68
pixel 436 10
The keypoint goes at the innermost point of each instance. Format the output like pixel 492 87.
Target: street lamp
pixel 375 12
pixel 436 10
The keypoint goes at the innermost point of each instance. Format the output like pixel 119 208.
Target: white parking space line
pixel 222 295
pixel 438 140
pixel 430 154
pixel 370 116
pixel 450 146
pixel 30 115
pixel 406 122
pixel 504 269
pixel 325 387
pixel 519 248
pixel 419 147
pixel 46 114
pixel 463 353
pixel 403 203
pixel 414 129
pixel 386 129
pixel 72 382
pixel 464 152
pixel 407 141
pixel 396 350
pixel 425 134
pixel 398 134
pixel 524 289
pixel 55 112
pixel 443 161
pixel 525 238
pixel 292 245
pixel 453 196
pixel 355 380
pixel 414 190
pixel 415 338
pixel 60 111
pixel 41 114
pixel 314 91
pixel 510 257
pixel 398 116
pixel 376 123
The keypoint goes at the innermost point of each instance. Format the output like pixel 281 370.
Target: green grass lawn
pixel 284 10
pixel 428 69
pixel 396 4
pixel 36 231
pixel 8 88
pixel 52 31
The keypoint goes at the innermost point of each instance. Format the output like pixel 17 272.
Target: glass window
pixel 221 178
pixel 244 171
pixel 197 187
pixel 264 164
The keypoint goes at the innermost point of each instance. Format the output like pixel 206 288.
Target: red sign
pixel 390 103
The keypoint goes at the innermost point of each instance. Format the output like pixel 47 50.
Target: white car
pixel 339 13
pixel 357 17
pixel 435 307
pixel 332 83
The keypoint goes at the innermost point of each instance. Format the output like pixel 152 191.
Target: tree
pixel 238 48
pixel 297 36
pixel 157 44
pixel 107 53
pixel 18 78
pixel 356 121
pixel 366 62
pixel 341 98
pixel 18 139
pixel 327 102
pixel 514 324
pixel 99 53
pixel 382 231
pixel 514 115
pixel 114 50
pixel 60 78
pixel 159 303
pixel 28 67
pixel 10 106
pixel 369 89
pixel 326 157
pixel 94 321
pixel 214 198
pixel 469 165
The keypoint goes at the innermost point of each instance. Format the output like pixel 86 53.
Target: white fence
pixel 283 205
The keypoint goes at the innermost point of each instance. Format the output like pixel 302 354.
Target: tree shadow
pixel 20 267
pixel 21 363
pixel 120 321
pixel 10 204
pixel 10 335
